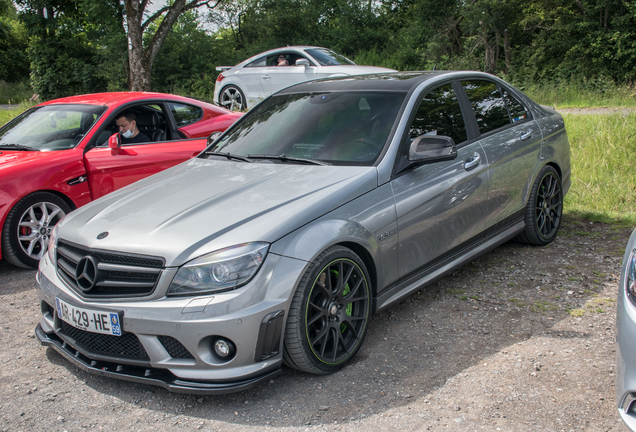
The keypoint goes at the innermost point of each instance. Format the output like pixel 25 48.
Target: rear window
pixel 185 114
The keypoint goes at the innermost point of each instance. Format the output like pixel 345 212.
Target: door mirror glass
pixel 431 148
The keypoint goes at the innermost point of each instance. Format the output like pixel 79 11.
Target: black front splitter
pixel 151 376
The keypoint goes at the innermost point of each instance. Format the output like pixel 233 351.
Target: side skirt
pixel 440 269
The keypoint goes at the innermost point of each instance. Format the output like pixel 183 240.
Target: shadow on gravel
pixel 412 349
pixel 14 280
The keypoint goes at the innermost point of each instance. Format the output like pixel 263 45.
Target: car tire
pixel 329 313
pixel 232 98
pixel 28 226
pixel 544 210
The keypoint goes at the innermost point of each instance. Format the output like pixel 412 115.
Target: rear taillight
pixel 220 77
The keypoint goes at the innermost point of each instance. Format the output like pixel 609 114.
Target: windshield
pixel 328 58
pixel 52 127
pixel 337 128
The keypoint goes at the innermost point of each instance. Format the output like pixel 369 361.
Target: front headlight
pixel 630 270
pixel 52 245
pixel 219 271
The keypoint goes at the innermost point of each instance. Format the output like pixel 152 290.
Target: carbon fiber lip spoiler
pixel 150 376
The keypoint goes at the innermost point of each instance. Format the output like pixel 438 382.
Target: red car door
pixel 108 172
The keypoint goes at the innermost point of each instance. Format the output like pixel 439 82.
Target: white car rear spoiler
pixel 223 68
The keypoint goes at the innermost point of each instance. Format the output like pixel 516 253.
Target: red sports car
pixel 55 157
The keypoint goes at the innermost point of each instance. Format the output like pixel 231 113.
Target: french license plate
pixel 89 320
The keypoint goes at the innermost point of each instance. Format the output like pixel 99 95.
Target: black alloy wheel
pixel 544 210
pixel 330 313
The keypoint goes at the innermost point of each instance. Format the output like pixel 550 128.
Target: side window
pixel 516 110
pixel 488 105
pixel 151 125
pixel 261 62
pixel 439 113
pixel 185 114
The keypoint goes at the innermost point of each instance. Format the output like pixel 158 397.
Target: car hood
pixel 203 205
pixel 10 158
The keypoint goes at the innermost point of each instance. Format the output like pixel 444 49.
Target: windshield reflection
pixel 53 127
pixel 337 128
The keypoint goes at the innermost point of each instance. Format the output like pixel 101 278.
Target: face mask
pixel 127 134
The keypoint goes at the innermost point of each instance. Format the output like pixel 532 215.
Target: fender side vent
pixel 269 334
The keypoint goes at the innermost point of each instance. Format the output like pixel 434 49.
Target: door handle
pixel 265 76
pixel 472 162
pixel 526 134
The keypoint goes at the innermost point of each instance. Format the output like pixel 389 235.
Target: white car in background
pixel 244 85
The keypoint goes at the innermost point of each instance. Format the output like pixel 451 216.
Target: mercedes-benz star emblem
pixel 86 273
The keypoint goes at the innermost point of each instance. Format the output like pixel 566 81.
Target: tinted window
pixel 516 110
pixel 488 105
pixel 185 114
pixel 339 128
pixel 439 113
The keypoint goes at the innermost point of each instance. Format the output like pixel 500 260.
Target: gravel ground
pixel 520 340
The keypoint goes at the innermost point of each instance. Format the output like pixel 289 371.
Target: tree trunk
pixel 140 59
pixel 507 53
pixel 139 75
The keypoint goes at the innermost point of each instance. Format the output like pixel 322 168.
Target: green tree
pixel 14 63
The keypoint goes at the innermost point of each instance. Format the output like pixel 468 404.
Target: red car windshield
pixel 52 127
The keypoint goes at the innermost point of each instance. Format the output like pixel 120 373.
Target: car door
pixel 108 172
pixel 250 77
pixel 274 78
pixel 512 142
pixel 440 205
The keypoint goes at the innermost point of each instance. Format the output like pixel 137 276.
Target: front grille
pixel 126 345
pixel 115 275
pixel 174 347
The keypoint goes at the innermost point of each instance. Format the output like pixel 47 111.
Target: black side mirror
pixel 432 148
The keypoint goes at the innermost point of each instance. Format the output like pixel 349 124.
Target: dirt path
pixel 490 347
pixel 599 110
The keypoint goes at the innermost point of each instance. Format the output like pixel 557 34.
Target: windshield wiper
pixel 229 156
pixel 288 158
pixel 17 147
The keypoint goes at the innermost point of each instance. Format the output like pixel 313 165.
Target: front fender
pixel 367 225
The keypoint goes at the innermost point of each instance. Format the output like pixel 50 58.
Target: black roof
pixel 391 81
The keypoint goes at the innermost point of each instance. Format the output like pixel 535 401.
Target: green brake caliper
pixel 349 309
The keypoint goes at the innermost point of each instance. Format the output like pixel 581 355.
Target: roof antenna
pixel 435 67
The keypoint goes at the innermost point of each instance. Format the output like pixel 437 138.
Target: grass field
pixel 577 96
pixel 603 149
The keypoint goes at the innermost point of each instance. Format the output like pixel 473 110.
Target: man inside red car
pixel 128 130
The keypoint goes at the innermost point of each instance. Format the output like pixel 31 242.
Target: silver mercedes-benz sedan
pixel 626 332
pixel 324 204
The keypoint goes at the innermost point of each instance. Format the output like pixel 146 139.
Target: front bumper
pixel 151 376
pixel 251 317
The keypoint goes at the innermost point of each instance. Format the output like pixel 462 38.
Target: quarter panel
pixel 556 146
